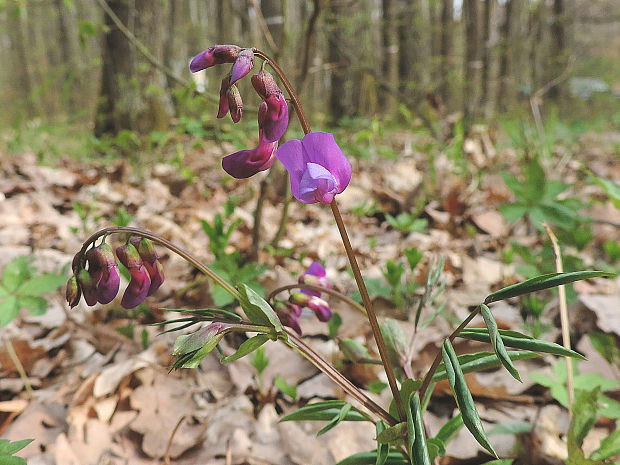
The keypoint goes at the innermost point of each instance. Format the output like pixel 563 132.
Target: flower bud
pixel 85 282
pixel 315 275
pixel 289 314
pixel 223 107
pixel 140 282
pixel 316 304
pixel 103 270
pixel 149 257
pixel 273 117
pixel 214 55
pixel 235 104
pixel 243 65
pixel 264 84
pixel 73 292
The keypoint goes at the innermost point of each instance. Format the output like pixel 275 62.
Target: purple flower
pixel 235 104
pixel 243 65
pixel 273 117
pixel 214 55
pixel 103 270
pixel 264 84
pixel 140 282
pixel 317 166
pixel 223 108
pixel 289 314
pixel 87 287
pixel 315 275
pixel 246 163
pixel 151 262
pixel 316 304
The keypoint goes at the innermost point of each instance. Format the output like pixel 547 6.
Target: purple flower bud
pixel 151 262
pixel 273 117
pixel 317 167
pixel 315 275
pixel 246 163
pixel 289 314
pixel 234 103
pixel 87 287
pixel 264 84
pixel 140 282
pixel 316 304
pixel 103 270
pixel 223 108
pixel 214 55
pixel 73 292
pixel 243 65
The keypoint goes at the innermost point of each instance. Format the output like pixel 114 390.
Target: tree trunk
pixel 24 73
pixel 68 56
pixel 559 44
pixel 389 55
pixel 446 52
pixel 339 64
pixel 472 64
pixel 487 100
pixel 274 18
pixel 133 95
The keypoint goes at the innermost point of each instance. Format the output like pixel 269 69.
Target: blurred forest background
pixel 114 65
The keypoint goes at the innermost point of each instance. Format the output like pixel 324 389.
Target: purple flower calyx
pixel 318 168
pixel 242 65
pixel 214 55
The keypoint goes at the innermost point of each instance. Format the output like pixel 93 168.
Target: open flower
pixel 315 275
pixel 215 55
pixel 140 282
pixel 246 163
pixel 318 168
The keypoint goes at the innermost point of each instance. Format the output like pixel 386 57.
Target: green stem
pixel 429 376
pixel 372 317
pixel 326 290
pixel 169 245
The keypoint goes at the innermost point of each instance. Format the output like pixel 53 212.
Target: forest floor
pixel 102 391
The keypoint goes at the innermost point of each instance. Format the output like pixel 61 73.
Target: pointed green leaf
pixel 585 412
pixel 450 428
pixel 9 448
pixel 481 361
pixel 324 411
pixel 464 400
pixel 257 309
pixel 497 343
pixel 406 389
pixel 609 447
pixel 392 434
pixel 411 429
pixel 247 347
pixel 521 341
pixel 545 281
pixel 207 313
pixel 436 448
pixel 342 414
pixel 36 305
pixel 419 452
pixel 384 449
pixel 43 284
pixel 285 388
pixel 370 458
pixel 9 309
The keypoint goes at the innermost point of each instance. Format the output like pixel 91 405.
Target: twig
pixel 174 431
pixel 263 25
pixel 18 364
pixel 563 319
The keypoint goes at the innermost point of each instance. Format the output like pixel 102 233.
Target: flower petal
pixel 316 185
pixel 273 117
pixel 246 163
pixel 243 65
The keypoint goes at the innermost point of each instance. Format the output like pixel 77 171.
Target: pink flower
pixel 289 314
pixel 103 269
pixel 315 275
pixel 223 108
pixel 316 304
pixel 246 163
pixel 151 262
pixel 273 117
pixel 215 55
pixel 243 65
pixel 140 282
pixel 318 168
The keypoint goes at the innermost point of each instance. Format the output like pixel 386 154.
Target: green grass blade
pixel 481 361
pixel 497 343
pixel 419 452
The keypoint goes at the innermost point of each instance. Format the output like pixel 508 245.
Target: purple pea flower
pixel 318 168
pixel 103 270
pixel 151 262
pixel 273 117
pixel 289 314
pixel 246 163
pixel 316 304
pixel 235 104
pixel 243 65
pixel 87 286
pixel 264 84
pixel 215 55
pixel 140 283
pixel 315 275
pixel 223 108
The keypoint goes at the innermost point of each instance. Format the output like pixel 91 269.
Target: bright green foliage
pixel 326 411
pixel 611 188
pixel 285 388
pixel 497 343
pixel 21 287
pixel 7 449
pixel 259 361
pixel 333 325
pixel 605 344
pixel 407 222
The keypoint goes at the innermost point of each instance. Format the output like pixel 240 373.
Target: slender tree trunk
pixel 337 60
pixel 446 52
pixel 487 99
pixel 559 44
pixel 24 73
pixel 473 63
pixel 68 56
pixel 274 17
pixel 389 35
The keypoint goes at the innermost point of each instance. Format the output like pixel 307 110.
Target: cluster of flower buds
pixel 272 113
pixel 101 281
pixel 290 311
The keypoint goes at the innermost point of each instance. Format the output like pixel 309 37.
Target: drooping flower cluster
pixel 96 275
pixel 290 311
pixel 272 113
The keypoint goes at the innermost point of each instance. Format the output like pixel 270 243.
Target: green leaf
pixel 481 361
pixel 43 284
pixel 333 325
pixel 450 429
pixel 207 313
pixel 585 411
pixel 370 458
pixel 248 347
pixel 9 309
pixel 285 388
pixel 513 212
pixel 7 449
pixel 257 309
pixel 393 434
pixel 325 410
pixel 436 448
pixel 342 414
pixel 518 427
pixel 609 447
pixel 496 342
pixel 259 361
pixel 406 389
pixel 36 305
pixel 611 188
pixel 463 397
pixel 419 452
pixel 16 272
pixel 605 345
pixel 545 281
pixel 395 342
pixel 520 341
pixel 384 449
